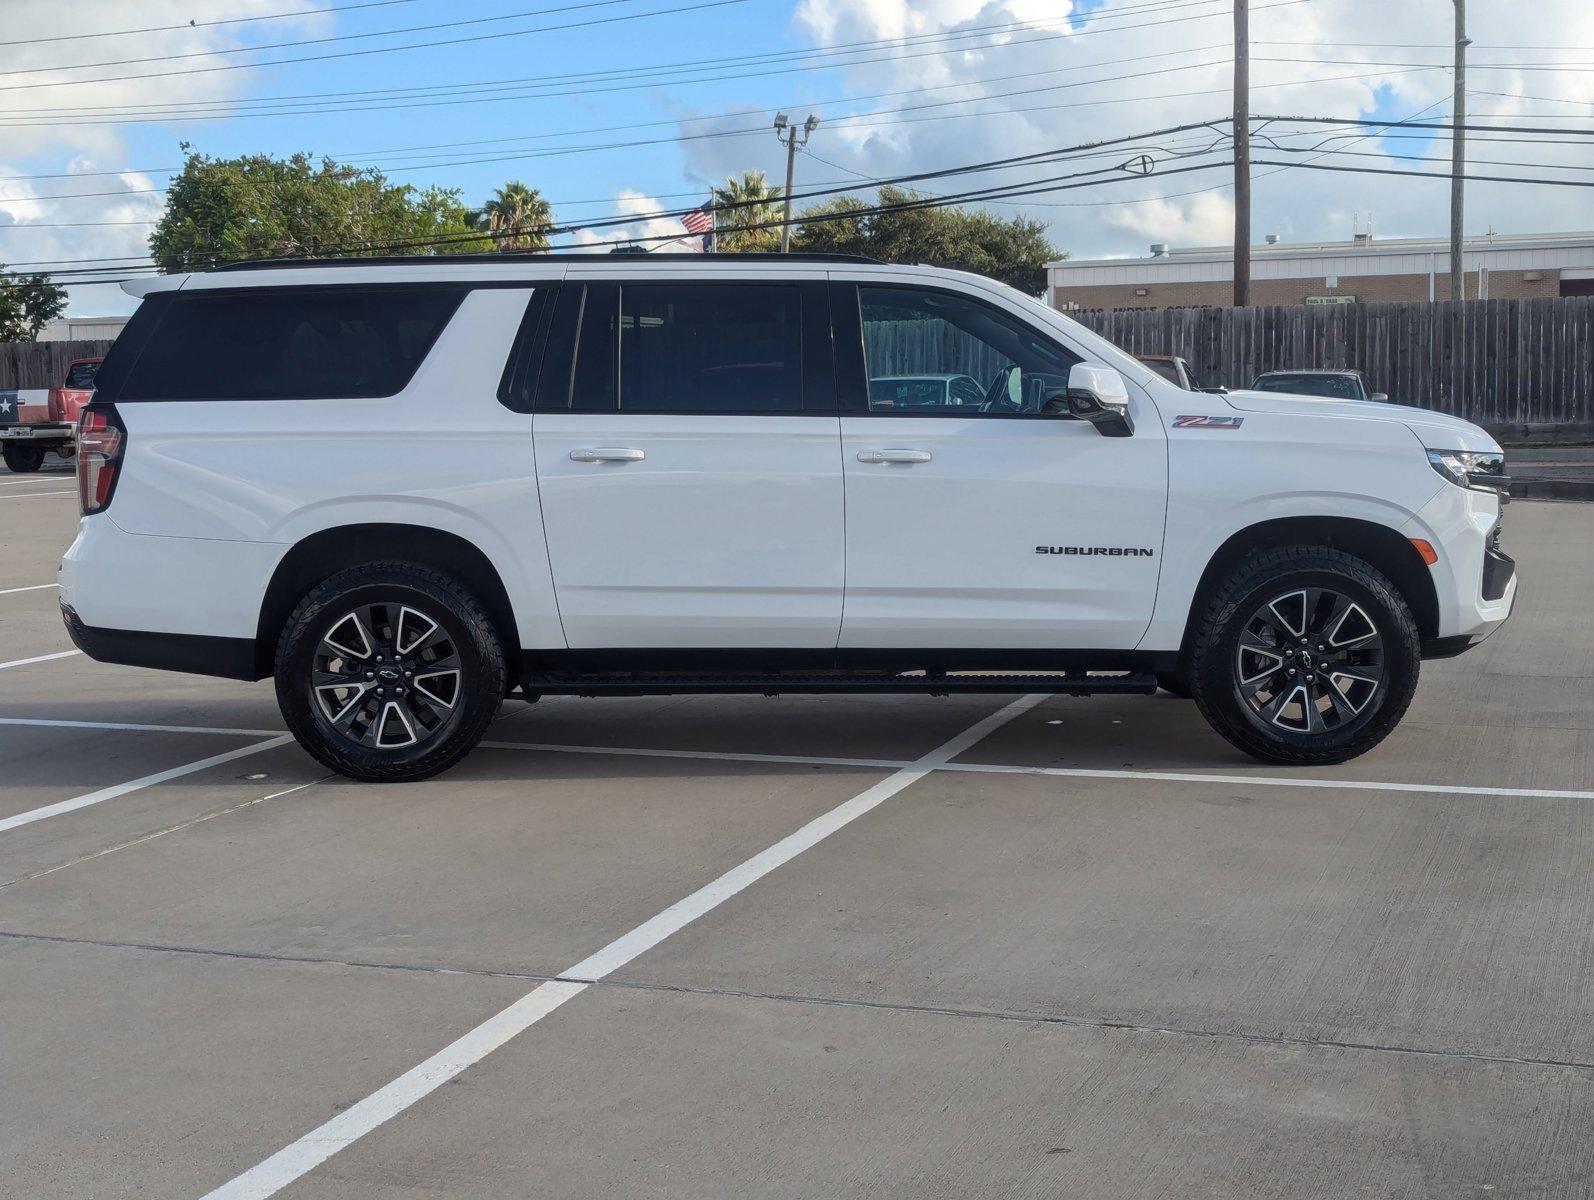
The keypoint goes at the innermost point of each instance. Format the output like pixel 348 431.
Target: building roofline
pixel 1287 250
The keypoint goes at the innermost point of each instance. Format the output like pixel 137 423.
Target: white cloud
pixel 62 130
pixel 631 203
pixel 1061 91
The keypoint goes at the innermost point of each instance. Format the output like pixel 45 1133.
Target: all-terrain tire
pixel 1215 680
pixel 464 629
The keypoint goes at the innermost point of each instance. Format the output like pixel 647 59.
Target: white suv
pixel 408 489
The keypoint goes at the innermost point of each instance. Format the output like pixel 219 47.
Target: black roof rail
pixel 454 260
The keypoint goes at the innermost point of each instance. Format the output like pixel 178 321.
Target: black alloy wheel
pixel 386 676
pixel 389 672
pixel 1309 660
pixel 1305 655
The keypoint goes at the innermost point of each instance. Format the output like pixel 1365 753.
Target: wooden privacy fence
pixel 1521 368
pixel 42 364
pixel 928 346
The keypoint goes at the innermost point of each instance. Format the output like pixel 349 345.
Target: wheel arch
pixel 325 552
pixel 1380 546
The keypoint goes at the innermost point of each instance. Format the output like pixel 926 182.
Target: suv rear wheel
pixel 1308 655
pixel 389 672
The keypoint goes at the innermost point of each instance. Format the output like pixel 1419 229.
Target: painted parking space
pixel 1231 980
pixel 631 1093
pixel 488 872
pixel 1407 921
pixel 151 1068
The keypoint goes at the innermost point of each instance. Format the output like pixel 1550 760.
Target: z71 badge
pixel 1197 421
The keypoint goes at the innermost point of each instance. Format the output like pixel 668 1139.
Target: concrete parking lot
pixel 705 946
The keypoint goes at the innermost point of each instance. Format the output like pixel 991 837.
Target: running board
pixel 1140 683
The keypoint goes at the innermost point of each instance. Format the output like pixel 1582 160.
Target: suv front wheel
pixel 1307 655
pixel 389 672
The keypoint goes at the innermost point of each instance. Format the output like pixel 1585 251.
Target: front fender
pixel 1224 480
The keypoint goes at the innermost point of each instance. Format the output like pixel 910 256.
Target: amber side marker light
pixel 1429 554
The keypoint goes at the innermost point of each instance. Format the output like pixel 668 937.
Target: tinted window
pixel 81 374
pixel 289 343
pixel 1010 369
pixel 1337 387
pixel 718 348
pixel 1165 367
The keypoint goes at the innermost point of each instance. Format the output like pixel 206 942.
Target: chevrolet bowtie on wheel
pixel 406 489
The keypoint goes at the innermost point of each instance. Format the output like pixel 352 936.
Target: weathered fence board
pixel 42 364
pixel 1524 368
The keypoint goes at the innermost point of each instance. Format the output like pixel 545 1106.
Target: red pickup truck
pixel 29 431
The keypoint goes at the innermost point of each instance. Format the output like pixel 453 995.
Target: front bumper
pixel 1475 582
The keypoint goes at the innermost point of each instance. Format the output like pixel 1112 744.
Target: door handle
pixel 607 454
pixel 893 456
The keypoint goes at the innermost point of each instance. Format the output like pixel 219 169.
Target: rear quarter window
pixel 281 343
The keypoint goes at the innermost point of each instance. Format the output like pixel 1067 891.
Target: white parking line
pixel 22 662
pixel 35 587
pixel 895 764
pixel 1296 781
pixel 320 1144
pixel 63 477
pixel 122 789
pixel 134 727
pixel 36 495
pixel 1301 781
pixel 800 760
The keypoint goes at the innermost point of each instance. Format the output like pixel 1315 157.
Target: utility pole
pixel 1242 153
pixel 1458 151
pixel 786 132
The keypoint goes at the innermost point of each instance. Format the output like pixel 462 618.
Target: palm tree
pixel 745 202
pixel 517 217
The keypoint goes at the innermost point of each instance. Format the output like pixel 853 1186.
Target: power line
pixel 319 41
pixel 480 37
pixel 354 156
pixel 1034 158
pixel 303 12
pixel 518 85
pixel 1433 174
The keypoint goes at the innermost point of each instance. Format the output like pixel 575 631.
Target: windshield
pixel 1335 387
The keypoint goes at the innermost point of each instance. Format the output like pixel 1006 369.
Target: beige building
pixel 1365 270
pixel 82 329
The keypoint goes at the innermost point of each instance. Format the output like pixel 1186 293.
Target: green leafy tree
pixel 517 217
pixel 1012 249
pixel 741 204
pixel 225 209
pixel 27 302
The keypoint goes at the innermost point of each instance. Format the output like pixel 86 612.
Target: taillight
pixel 101 441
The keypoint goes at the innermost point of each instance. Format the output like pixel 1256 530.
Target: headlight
pixel 1480 471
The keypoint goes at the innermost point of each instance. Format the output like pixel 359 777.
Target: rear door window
pixel 289 343
pixel 716 348
pixel 711 348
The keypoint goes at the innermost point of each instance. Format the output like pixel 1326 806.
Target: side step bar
pixel 1075 683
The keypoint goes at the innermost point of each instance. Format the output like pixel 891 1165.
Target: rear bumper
pixel 50 433
pixel 195 654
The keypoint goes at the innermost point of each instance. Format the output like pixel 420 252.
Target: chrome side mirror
pixel 1099 395
pixel 1379 397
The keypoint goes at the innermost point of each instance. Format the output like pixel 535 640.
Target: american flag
pixel 701 220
